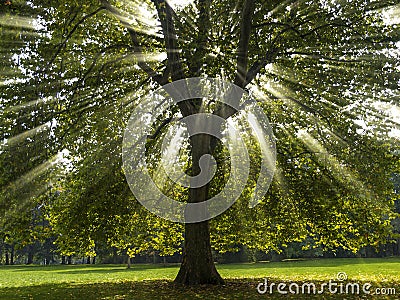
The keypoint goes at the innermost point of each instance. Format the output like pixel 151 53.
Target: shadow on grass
pixel 104 269
pixel 88 269
pixel 315 262
pixel 159 289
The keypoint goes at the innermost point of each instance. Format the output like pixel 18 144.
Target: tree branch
pixel 203 25
pixel 81 110
pixel 165 14
pixel 331 24
pixel 321 57
pixel 137 47
pixel 159 128
pixel 223 110
pixel 286 25
pixel 260 64
pixel 81 80
pixel 72 32
pixel 245 31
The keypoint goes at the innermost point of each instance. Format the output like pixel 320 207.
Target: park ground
pixel 156 281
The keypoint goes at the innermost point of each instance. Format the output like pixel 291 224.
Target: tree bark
pixel 12 255
pixel 30 255
pixel 154 258
pixel 197 265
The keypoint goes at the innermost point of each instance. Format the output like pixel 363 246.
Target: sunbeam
pixel 29 104
pixel 140 18
pixel 18 21
pixel 34 173
pixel 338 170
pixel 12 141
pixel 391 15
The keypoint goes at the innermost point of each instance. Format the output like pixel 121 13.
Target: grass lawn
pixel 155 281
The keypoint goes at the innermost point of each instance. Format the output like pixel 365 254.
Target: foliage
pixel 318 69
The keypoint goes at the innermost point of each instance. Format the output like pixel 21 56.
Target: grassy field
pixel 155 282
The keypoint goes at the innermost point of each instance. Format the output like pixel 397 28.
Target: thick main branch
pixel 243 49
pixel 203 25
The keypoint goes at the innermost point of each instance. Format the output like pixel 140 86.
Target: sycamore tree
pixel 326 73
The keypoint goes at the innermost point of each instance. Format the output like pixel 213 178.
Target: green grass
pixel 155 282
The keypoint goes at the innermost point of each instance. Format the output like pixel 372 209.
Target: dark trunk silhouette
pixel 12 255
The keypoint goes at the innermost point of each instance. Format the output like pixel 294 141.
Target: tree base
pixel 188 276
pixel 197 265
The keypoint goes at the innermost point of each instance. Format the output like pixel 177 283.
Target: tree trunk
pixel 128 262
pixel 63 260
pixel 12 255
pixel 197 265
pixel 30 258
pixel 30 255
pixel 398 247
pixel 154 258
pixel 7 258
pixel 69 260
